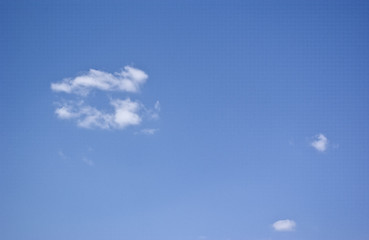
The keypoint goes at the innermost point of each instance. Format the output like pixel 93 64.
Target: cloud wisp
pixel 320 143
pixel 88 162
pixel 286 225
pixel 126 112
pixel 148 131
pixel 128 80
pixel 62 155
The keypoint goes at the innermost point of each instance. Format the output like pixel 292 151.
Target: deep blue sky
pixel 245 89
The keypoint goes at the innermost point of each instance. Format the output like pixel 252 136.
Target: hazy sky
pixel 184 120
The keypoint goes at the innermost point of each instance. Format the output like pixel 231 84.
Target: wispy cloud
pixel 320 142
pixel 128 80
pixel 124 113
pixel 88 161
pixel 284 225
pixel 61 154
pixel 153 113
pixel 157 106
pixel 148 131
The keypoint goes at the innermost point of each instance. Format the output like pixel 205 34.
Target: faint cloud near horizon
pixel 126 112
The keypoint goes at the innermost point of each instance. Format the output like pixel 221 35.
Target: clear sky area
pixel 184 120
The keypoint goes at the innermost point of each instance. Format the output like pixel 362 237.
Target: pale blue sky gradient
pixel 244 87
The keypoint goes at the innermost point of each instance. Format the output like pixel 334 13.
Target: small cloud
pixel 284 225
pixel 126 113
pixel 62 155
pixel 320 143
pixel 148 131
pixel 157 106
pixel 89 162
pixel 65 112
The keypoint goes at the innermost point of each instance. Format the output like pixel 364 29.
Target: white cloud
pixel 65 112
pixel 128 80
pixel 125 112
pixel 320 143
pixel 284 225
pixel 90 117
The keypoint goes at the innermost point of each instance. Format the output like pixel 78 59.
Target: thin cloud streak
pixel 286 225
pixel 148 131
pixel 128 80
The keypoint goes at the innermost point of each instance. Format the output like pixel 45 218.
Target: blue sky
pixel 185 120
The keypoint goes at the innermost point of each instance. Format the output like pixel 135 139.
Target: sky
pixel 184 120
